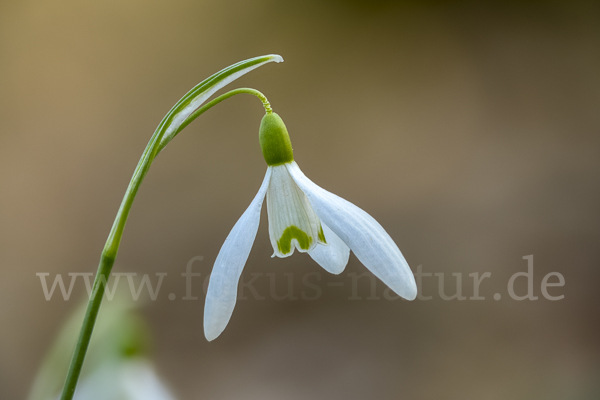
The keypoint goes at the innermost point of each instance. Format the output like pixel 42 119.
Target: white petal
pixel 334 257
pixel 140 382
pixel 292 221
pixel 365 237
pixel 222 287
pixel 94 386
pixel 129 378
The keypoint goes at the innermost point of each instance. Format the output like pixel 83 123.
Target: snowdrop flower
pixel 304 217
pixel 120 367
pixel 131 379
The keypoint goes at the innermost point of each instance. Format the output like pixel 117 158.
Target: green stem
pixel 109 254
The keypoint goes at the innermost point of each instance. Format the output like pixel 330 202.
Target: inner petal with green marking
pixel 293 232
pixel 293 224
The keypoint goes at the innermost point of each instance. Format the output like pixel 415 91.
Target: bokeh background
pixel 470 131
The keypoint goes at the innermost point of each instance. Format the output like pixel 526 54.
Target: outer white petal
pixel 95 387
pixel 123 379
pixel 140 382
pixel 223 284
pixel 365 237
pixel 334 257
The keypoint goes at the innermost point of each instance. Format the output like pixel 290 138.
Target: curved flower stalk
pixel 185 111
pixel 305 217
pixel 188 108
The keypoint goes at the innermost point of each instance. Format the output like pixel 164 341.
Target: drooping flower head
pixel 293 224
pixel 304 217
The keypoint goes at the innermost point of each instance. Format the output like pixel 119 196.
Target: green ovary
pixel 284 244
pixel 275 140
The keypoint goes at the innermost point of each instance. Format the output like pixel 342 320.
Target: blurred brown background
pixel 471 132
